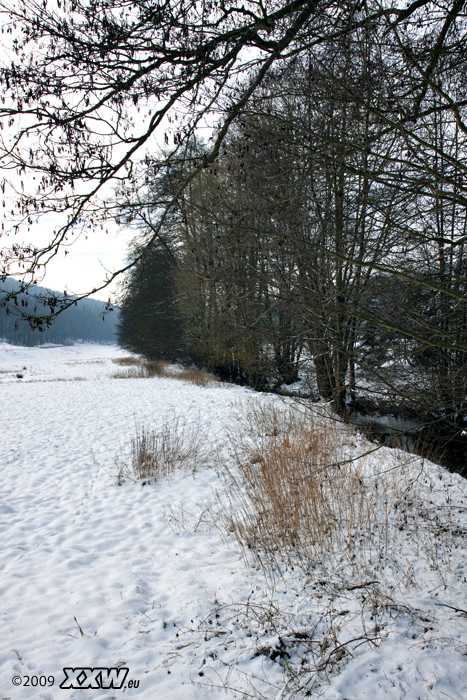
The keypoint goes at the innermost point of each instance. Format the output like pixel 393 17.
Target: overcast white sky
pixel 85 265
pixel 87 261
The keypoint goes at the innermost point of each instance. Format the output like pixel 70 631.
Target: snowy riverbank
pixel 100 575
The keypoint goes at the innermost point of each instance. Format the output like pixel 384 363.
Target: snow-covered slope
pixel 95 574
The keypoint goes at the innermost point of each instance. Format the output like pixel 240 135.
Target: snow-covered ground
pixel 96 574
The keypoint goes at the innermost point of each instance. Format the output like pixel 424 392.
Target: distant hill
pixel 82 322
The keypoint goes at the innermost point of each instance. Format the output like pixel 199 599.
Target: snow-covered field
pixel 100 575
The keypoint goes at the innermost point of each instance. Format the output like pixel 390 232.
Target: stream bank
pixel 416 433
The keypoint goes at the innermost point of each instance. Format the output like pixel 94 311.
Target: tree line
pixel 318 237
pixel 87 320
pixel 321 219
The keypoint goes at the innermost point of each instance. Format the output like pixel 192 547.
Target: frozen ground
pixel 94 574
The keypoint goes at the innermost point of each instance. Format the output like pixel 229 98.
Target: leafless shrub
pixel 157 452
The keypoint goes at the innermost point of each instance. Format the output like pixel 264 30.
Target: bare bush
pixel 157 452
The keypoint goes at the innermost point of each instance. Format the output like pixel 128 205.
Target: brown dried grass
pixel 298 493
pixel 197 377
pixel 127 361
pixel 157 452
pixel 156 368
pixel 140 368
pixel 130 373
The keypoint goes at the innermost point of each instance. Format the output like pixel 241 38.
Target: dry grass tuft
pixel 197 377
pixel 127 361
pixel 306 491
pixel 285 495
pixel 300 494
pixel 140 368
pixel 137 372
pixel 157 452
pixel 156 368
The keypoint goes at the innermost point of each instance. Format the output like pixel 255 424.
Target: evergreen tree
pixel 149 322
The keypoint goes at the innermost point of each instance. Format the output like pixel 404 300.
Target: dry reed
pixel 157 452
pixel 140 368
pixel 127 361
pixel 156 368
pixel 130 373
pixel 196 376
pixel 299 494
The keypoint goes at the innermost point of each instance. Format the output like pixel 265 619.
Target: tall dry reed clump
pixel 300 493
pixel 155 368
pixel 140 368
pixel 127 361
pixel 157 452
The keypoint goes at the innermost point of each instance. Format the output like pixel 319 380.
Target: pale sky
pixel 85 265
pixel 87 260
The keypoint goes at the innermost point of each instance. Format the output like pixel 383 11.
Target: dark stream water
pixel 414 435
pixel 412 431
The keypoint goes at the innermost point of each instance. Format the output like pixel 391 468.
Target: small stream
pixel 415 436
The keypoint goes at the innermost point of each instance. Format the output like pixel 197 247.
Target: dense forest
pixel 87 321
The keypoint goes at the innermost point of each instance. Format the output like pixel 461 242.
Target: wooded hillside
pixel 86 321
